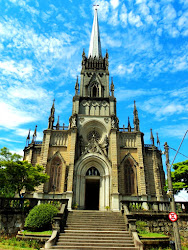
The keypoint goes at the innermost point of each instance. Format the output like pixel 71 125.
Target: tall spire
pixel 152 138
pixel 136 120
pixel 95 43
pixel 34 134
pixel 51 117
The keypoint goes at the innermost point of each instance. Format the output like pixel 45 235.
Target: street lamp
pixel 171 194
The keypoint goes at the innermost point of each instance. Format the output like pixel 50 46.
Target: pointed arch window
pixel 130 178
pixel 55 175
pixel 95 90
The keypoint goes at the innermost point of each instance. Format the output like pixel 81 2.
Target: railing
pixel 11 204
pixel 155 206
pixel 148 145
pixel 126 129
pixel 61 127
pixel 38 142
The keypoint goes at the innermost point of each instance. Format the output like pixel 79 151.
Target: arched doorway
pixel 92 189
pixel 92 180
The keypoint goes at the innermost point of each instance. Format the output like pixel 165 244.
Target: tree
pixel 180 176
pixel 16 175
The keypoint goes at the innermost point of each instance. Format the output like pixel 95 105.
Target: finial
pixel 136 120
pixel 51 117
pixel 28 138
pixel 129 125
pixel 34 134
pixel 112 86
pixel 158 141
pixel 152 138
pixel 57 125
pixel 96 5
pixel 76 86
pixel 107 54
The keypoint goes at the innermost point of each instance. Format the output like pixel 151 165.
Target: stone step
pixel 96 228
pixel 95 236
pixel 96 244
pixel 96 218
pixel 91 247
pixel 106 232
pixel 94 240
pixel 94 247
pixel 95 225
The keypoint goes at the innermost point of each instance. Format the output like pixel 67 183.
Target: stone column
pixel 156 173
pixel 114 172
pixel 140 169
pixel 44 154
pixel 71 157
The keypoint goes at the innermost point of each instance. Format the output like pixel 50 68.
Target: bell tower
pixel 93 97
pixel 94 110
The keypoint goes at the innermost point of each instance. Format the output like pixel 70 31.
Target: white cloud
pixel 35 93
pixel 182 196
pixel 143 8
pixel 114 18
pixel 169 13
pixel 134 19
pixel 124 69
pixel 114 3
pixel 82 11
pixel 183 21
pixel 21 69
pixel 13 117
pixel 103 10
pixel 123 15
pixel 9 140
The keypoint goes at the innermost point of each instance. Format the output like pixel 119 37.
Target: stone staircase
pixel 95 230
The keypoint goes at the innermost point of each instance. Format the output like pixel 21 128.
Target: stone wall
pixel 160 223
pixel 11 221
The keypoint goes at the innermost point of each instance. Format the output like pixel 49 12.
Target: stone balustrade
pixel 154 206
pixel 7 204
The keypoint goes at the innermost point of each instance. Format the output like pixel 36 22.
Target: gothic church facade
pixel 93 162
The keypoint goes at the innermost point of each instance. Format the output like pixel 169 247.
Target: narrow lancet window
pixel 55 175
pixel 130 178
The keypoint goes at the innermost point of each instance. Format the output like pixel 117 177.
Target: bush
pixel 141 226
pixel 40 217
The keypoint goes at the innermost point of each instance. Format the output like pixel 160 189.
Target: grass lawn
pixel 152 235
pixel 37 233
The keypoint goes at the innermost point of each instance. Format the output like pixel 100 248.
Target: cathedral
pixel 93 162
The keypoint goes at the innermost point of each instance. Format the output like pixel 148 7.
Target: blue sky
pixel 41 44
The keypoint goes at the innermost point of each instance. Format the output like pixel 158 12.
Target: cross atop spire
pixel 95 43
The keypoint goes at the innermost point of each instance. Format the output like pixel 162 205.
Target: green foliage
pixel 13 243
pixel 141 226
pixel 26 232
pixel 40 217
pixel 16 175
pixel 180 176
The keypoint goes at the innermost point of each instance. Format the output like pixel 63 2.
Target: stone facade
pixel 93 157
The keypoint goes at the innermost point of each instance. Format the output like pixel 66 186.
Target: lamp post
pixel 171 194
pixel 172 200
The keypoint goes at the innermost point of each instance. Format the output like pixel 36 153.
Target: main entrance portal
pixel 92 194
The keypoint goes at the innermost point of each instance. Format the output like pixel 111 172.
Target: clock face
pixel 93 134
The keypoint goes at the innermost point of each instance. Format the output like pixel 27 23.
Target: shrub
pixel 40 217
pixel 141 226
